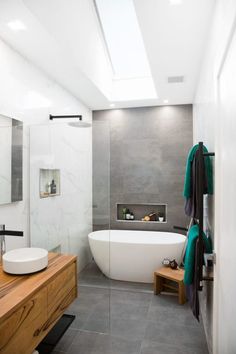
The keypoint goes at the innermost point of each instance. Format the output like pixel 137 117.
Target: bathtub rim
pixel 181 241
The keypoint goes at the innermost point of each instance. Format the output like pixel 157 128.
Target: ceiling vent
pixel 175 79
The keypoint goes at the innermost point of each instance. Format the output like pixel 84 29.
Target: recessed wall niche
pixel 49 183
pixel 142 212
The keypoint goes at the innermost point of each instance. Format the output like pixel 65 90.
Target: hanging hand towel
pixel 189 258
pixel 191 181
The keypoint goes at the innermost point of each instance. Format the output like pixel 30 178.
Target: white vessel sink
pixel 25 260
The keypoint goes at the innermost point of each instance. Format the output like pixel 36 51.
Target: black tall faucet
pixel 3 233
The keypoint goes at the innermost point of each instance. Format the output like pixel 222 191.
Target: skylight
pixel 123 38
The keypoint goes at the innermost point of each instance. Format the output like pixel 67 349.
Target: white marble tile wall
pixel 65 220
pixel 28 95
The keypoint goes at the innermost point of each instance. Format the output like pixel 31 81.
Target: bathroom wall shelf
pixel 47 195
pixel 142 209
pixel 46 176
pixel 144 222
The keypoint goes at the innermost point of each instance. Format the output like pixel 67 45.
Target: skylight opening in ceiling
pixel 123 38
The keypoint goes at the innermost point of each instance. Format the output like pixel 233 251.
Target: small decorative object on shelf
pixel 150 217
pixel 127 214
pixel 168 263
pixel 173 264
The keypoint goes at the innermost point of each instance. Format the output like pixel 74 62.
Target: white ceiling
pixel 65 40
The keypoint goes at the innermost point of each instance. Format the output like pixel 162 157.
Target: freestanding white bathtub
pixel 134 255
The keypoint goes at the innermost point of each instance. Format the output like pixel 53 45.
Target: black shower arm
pixel 51 117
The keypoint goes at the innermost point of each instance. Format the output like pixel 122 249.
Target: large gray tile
pixel 124 346
pixel 131 286
pixel 95 281
pixel 94 343
pixel 128 329
pixel 149 347
pixel 167 301
pixel 176 335
pixel 131 311
pixel 79 320
pixel 100 325
pixel 66 340
pixel 84 343
pixel 179 315
pixel 136 297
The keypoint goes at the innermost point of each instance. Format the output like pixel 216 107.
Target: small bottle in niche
pixel 127 216
pixel 131 216
pixel 124 211
pixel 53 187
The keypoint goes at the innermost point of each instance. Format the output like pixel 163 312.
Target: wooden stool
pixel 175 275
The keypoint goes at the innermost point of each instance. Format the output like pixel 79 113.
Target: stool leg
pixel 157 284
pixel 182 297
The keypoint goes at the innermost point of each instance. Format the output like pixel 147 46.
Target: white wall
pixel 28 95
pixel 214 114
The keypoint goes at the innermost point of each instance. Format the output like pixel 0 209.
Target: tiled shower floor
pixel 114 317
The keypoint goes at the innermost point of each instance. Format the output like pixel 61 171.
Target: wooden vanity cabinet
pixel 30 305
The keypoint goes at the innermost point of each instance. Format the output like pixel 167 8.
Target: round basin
pixel 25 260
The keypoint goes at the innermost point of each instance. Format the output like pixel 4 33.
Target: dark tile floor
pixel 114 317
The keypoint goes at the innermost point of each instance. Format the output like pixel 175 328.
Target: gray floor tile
pixel 66 340
pixel 87 290
pixel 100 325
pixel 128 329
pixel 102 310
pixel 172 334
pixel 89 343
pixel 132 311
pixel 124 346
pixel 125 285
pixel 95 343
pixel 166 301
pixel 149 347
pixel 177 315
pixel 130 296
pixel 79 321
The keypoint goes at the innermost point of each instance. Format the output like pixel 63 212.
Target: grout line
pixel 143 291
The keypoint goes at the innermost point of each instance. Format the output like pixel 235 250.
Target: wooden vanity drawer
pixel 61 288
pixel 22 330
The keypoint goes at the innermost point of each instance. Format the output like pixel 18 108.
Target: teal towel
pixel 190 253
pixel 208 168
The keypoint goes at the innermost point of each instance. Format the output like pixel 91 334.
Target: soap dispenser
pixel 53 187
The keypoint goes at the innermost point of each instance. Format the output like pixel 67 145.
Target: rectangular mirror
pixel 11 160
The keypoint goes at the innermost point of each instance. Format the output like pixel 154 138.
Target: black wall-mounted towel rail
pixel 200 243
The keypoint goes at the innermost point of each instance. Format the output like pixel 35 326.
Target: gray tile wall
pixel 148 150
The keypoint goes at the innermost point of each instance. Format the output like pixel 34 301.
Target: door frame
pixel 218 149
